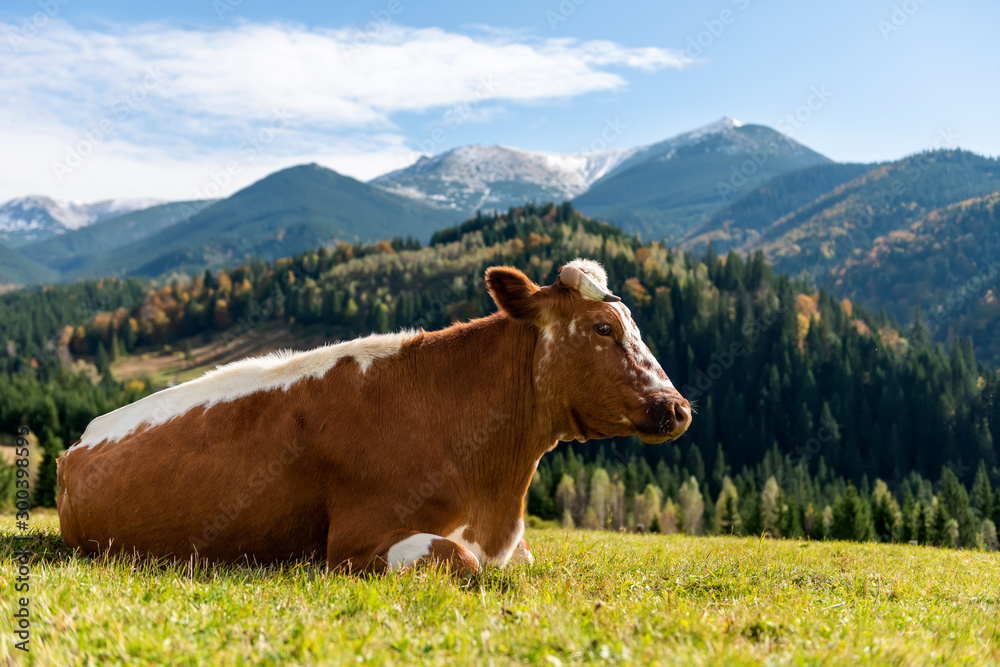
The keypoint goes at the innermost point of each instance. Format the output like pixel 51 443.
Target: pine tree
pixel 886 516
pixel 600 497
pixel 719 467
pixel 695 463
pixel 565 496
pixel 851 517
pixel 770 503
pixel 46 484
pixel 647 506
pixel 939 532
pixel 827 523
pixel 692 507
pixel 671 518
pixel 810 522
pixel 727 513
pixel 101 361
pixel 996 506
pixel 982 494
pixel 955 499
pixel 989 532
pixel 909 532
pixel 750 511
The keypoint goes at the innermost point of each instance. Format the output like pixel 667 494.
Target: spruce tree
pixel 982 494
pixel 851 517
pixel 728 519
pixel 939 531
pixel 955 499
pixel 886 516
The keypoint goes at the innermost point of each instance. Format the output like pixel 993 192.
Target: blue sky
pixel 103 99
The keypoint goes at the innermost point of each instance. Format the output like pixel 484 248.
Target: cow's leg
pixel 522 554
pixel 404 548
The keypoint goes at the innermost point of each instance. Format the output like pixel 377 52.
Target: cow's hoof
pixel 522 554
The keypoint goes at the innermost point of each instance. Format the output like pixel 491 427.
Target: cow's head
pixel 591 368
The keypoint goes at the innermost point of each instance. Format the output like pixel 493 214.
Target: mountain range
pixel 31 219
pixel 661 190
pixel 894 235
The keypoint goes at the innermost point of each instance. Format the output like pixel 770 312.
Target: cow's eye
pixel 603 328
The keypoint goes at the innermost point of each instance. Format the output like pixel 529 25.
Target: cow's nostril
pixel 682 418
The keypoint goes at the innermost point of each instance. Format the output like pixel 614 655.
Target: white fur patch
pixel 237 379
pixel 409 551
pixel 592 269
pixel 656 378
pixel 499 559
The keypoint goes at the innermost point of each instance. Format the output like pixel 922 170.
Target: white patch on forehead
pixel 409 551
pixel 656 378
pixel 458 537
pixel 572 327
pixel 278 370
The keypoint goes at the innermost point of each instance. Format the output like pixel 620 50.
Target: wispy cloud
pixel 176 102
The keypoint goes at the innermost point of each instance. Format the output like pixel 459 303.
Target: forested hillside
pixel 814 417
pixel 919 232
pixel 743 220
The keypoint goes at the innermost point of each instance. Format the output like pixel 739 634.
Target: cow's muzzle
pixel 668 416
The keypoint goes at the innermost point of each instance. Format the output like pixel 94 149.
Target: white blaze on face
pixel 656 379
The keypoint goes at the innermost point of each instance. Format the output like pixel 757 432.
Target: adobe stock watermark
pixel 721 362
pixel 740 174
pixel 461 453
pixel 901 13
pixel 32 25
pixel 121 109
pixel 223 7
pixel 453 117
pixel 857 233
pixel 255 486
pixel 260 311
pixel 790 122
pixel 612 130
pixel 801 455
pixel 107 299
pixel 562 12
pixel 23 555
pixel 955 302
pixel 219 180
pixel 714 28
pixel 362 38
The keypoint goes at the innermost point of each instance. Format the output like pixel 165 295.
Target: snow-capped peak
pixel 35 217
pixel 474 177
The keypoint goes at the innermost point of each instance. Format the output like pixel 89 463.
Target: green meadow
pixel 589 597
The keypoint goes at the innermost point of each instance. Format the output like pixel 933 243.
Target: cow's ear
pixel 513 292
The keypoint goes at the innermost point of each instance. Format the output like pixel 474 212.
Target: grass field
pixel 589 597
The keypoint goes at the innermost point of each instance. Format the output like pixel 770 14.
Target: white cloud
pixel 162 106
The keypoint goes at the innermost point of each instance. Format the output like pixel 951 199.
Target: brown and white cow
pixel 377 452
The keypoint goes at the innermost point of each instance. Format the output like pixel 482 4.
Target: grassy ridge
pixel 589 597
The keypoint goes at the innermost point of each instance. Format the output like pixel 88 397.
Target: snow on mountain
pixel 475 177
pixel 25 220
pixel 497 177
pixel 733 142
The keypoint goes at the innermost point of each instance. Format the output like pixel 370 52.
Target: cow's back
pixel 255 477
